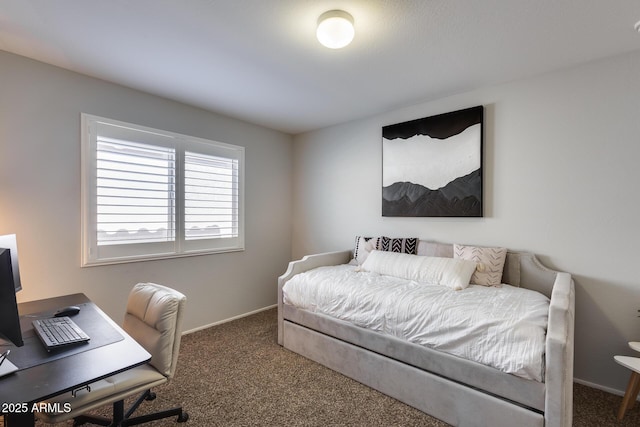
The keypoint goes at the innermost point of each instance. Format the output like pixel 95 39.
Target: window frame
pixel 94 254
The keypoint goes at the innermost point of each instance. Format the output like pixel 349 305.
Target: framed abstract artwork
pixel 432 167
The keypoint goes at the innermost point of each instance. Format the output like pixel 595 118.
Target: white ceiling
pixel 259 61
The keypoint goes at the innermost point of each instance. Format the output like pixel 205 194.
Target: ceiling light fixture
pixel 637 26
pixel 335 29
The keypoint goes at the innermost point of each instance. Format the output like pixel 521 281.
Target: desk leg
pixel 20 420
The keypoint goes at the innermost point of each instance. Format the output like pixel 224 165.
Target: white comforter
pixel 500 327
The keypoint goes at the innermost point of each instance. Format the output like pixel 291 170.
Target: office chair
pixel 153 319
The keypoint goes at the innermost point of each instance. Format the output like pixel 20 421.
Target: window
pixel 151 194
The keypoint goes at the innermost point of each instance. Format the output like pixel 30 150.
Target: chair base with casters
pixel 101 393
pixel 633 387
pixel 122 418
pixel 153 318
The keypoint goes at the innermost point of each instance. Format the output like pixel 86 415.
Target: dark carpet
pixel 235 374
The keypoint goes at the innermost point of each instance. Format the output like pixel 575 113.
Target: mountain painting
pixel 432 167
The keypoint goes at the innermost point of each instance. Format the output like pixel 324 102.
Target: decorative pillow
pixel 490 263
pixel 364 245
pixel 405 246
pixel 454 273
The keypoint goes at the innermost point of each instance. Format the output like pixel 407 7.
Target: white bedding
pixel 503 327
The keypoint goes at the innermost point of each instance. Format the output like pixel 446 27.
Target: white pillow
pixel 454 273
pixel 490 263
pixel 364 246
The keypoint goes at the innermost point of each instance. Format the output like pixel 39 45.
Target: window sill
pixel 157 257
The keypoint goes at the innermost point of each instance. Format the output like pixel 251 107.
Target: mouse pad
pixel 33 352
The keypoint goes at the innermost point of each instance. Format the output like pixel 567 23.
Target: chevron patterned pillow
pixel 490 263
pixel 406 245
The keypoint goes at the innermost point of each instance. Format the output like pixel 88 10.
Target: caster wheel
pixel 183 417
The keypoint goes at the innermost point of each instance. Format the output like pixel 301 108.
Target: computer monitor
pixel 9 285
pixel 9 242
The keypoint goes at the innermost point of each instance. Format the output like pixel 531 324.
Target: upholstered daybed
pixel 456 390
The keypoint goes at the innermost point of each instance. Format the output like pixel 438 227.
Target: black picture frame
pixel 433 167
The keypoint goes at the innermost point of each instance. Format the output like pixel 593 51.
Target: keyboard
pixel 59 332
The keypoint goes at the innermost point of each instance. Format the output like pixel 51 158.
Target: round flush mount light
pixel 335 29
pixel 637 26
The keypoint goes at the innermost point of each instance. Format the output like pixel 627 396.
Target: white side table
pixel 633 388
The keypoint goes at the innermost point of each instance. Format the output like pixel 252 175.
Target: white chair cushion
pixel 153 318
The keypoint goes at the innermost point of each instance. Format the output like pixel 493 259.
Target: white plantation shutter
pixel 135 192
pixel 211 196
pixel 151 194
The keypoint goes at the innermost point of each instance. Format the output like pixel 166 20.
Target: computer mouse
pixel 71 310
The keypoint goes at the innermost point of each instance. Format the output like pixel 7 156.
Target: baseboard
pixel 600 387
pixel 240 316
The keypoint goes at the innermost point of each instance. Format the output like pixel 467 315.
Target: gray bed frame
pixel 457 391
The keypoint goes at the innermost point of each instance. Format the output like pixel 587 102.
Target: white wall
pixel 561 180
pixel 40 108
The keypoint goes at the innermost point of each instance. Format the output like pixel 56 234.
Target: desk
pixel 62 375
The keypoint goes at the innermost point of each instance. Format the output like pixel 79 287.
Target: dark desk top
pixel 68 373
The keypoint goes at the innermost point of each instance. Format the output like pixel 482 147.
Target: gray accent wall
pixel 561 157
pixel 40 108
